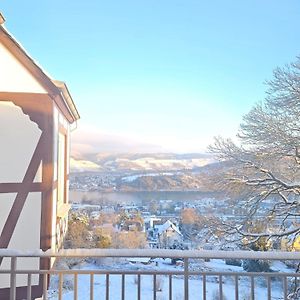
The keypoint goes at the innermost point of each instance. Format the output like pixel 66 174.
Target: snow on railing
pixel 163 253
pixel 287 283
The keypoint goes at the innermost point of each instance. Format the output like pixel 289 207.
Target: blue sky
pixel 162 75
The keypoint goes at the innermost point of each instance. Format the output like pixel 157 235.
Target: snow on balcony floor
pixel 195 282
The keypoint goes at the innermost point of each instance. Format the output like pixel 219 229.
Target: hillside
pixel 139 162
pixel 196 179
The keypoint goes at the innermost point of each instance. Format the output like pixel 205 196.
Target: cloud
pixel 89 139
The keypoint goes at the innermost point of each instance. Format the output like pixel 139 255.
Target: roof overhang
pixel 57 89
pixel 2 20
pixel 67 98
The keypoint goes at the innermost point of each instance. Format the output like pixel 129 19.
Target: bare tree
pixel 263 167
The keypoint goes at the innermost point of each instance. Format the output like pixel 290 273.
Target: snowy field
pixel 195 282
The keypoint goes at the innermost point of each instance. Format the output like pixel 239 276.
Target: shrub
pixel 128 239
pixel 255 265
pixel 233 262
pixel 78 235
pixel 101 239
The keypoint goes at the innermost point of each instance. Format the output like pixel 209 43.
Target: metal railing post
pixel 92 286
pixel 29 287
pixel 236 290
pixel 45 286
pixel 186 279
pixel 123 287
pixel 204 287
pixel 139 287
pixel 269 287
pixel 170 287
pixel 252 288
pixel 60 286
pixel 107 287
pixel 13 278
pixel 221 287
pixel 154 286
pixel 75 286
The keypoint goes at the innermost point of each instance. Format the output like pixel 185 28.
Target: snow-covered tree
pixel 263 166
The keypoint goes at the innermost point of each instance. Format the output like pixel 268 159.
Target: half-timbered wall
pixel 34 161
pixel 26 181
pixel 19 137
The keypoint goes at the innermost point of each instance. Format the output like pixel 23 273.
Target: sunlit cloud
pixel 87 139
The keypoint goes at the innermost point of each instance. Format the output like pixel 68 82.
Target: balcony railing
pixel 196 283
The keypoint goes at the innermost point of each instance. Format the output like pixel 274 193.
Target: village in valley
pixel 158 224
pixel 189 221
pixel 153 223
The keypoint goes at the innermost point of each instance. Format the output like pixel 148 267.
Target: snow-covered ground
pixel 195 282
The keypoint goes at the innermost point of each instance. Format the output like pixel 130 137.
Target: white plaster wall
pixel 68 149
pixel 63 121
pixel 68 163
pixel 39 174
pixel 26 235
pixel 14 77
pixel 18 139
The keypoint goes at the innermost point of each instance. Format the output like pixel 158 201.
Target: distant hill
pixel 166 174
pixel 127 162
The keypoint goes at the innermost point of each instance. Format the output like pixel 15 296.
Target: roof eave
pixel 54 87
pixel 67 98
pixel 2 19
pixel 25 59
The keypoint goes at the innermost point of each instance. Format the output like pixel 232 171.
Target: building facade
pixel 36 117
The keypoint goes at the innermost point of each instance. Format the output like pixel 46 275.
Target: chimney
pixel 2 20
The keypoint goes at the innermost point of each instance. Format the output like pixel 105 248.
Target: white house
pixel 168 234
pixel 36 115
